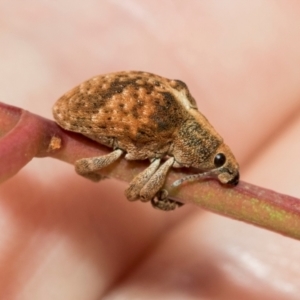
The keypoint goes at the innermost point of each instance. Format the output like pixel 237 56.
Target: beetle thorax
pixel 194 145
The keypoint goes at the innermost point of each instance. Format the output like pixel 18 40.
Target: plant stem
pixel 24 135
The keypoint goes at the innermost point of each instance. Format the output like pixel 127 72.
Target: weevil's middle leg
pixel 156 182
pixel 152 189
pixel 87 167
pixel 133 191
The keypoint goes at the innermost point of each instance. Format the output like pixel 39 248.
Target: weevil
pixel 145 117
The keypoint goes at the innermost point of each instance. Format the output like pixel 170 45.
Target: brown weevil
pixel 145 116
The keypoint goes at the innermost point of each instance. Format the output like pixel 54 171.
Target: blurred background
pixel 240 60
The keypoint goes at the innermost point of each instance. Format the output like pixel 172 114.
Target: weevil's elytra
pixel 145 116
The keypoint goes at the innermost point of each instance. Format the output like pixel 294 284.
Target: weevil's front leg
pixel 87 167
pixel 156 182
pixel 133 191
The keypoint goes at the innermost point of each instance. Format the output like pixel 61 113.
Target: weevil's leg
pixel 87 167
pixel 133 191
pixel 161 201
pixel 156 181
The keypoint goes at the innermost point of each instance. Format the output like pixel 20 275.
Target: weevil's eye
pixel 220 160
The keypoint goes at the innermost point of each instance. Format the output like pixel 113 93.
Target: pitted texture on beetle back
pixel 138 105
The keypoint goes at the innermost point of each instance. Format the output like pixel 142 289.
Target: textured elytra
pixel 135 107
pixel 144 116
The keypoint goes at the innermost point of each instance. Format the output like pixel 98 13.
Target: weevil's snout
pixel 226 176
pixel 222 166
pixel 235 180
pixel 227 167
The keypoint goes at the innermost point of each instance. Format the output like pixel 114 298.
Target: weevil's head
pixel 225 165
pixel 201 147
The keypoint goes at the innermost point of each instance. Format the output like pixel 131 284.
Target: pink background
pixel 63 237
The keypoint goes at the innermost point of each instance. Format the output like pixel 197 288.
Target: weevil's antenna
pixel 191 178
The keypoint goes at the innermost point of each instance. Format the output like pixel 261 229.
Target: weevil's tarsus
pixel 162 202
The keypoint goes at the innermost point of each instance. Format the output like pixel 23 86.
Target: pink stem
pixel 25 135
